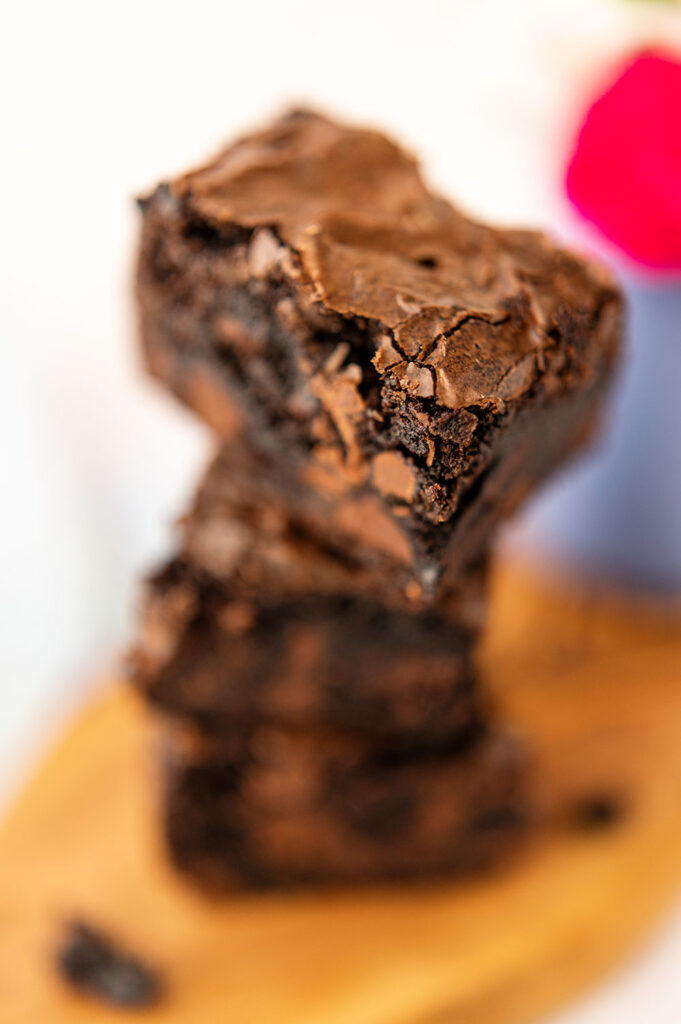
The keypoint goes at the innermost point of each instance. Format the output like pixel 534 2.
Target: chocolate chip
pixel 90 962
pixel 597 811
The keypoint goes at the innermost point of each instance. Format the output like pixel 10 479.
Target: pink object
pixel 625 172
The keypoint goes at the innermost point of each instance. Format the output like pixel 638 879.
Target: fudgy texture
pixel 223 657
pixel 422 371
pixel 275 807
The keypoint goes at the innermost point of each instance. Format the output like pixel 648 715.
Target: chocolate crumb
pixel 598 811
pixel 92 963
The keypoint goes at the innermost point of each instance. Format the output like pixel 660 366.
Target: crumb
pixel 92 963
pixel 598 811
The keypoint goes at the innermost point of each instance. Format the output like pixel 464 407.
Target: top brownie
pixel 306 291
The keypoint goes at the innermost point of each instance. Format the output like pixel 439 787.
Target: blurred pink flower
pixel 625 173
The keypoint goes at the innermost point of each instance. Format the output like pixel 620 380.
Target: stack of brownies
pixel 387 380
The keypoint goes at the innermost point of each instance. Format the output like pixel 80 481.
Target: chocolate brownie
pixel 210 652
pixel 276 807
pixel 306 290
pixel 254 523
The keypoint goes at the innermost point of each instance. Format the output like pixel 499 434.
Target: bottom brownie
pixel 280 808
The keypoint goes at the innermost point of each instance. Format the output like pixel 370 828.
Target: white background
pixel 101 100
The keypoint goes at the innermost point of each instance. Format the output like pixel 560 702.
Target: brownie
pixel 307 292
pixel 278 807
pixel 254 523
pixel 210 652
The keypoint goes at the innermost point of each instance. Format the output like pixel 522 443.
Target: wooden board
pixel 597 685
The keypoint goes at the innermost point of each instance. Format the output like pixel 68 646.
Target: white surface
pixel 100 101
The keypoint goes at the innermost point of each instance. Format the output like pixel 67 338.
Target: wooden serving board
pixel 596 683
